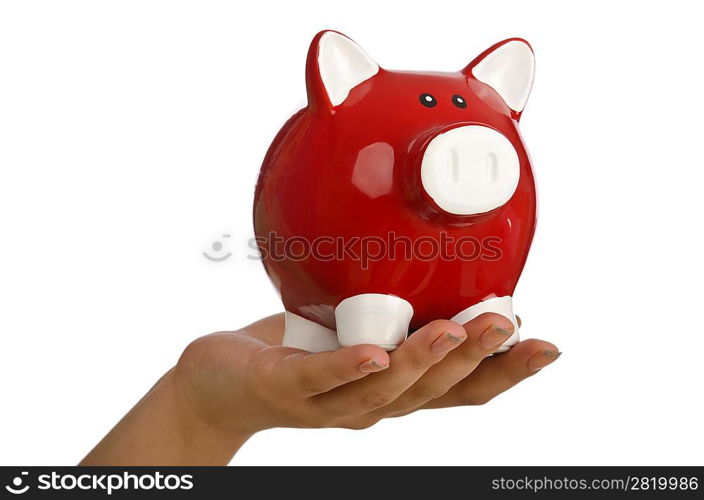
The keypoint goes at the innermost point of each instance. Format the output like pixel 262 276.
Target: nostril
pixel 492 167
pixel 454 166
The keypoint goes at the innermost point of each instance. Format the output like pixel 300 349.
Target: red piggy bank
pixel 395 197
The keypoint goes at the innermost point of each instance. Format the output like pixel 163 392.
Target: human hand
pixel 244 381
pixel 229 385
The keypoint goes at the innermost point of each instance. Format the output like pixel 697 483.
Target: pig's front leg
pixel 308 335
pixel 373 318
pixel 498 305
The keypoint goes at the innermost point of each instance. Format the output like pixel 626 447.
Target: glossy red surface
pixel 354 171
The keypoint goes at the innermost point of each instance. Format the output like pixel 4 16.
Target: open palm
pixel 245 381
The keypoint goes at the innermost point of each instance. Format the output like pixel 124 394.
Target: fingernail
pixel 445 343
pixel 371 366
pixel 494 337
pixel 542 359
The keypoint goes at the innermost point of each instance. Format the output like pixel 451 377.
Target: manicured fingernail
pixel 542 359
pixel 445 343
pixel 371 366
pixel 494 336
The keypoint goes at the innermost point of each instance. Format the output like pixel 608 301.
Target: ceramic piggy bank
pixel 395 198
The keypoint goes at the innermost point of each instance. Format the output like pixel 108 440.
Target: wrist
pixel 164 429
pixel 200 435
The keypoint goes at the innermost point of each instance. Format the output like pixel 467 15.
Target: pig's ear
pixel 507 67
pixel 335 66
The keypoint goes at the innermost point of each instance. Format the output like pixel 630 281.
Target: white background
pixel 131 134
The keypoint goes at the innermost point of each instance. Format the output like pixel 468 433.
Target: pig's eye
pixel 427 100
pixel 459 101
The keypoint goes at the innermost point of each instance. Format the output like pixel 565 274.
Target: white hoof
pixel 373 318
pixel 498 305
pixel 308 335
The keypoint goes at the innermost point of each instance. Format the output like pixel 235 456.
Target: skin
pixel 229 385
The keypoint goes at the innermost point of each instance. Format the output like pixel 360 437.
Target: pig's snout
pixel 470 170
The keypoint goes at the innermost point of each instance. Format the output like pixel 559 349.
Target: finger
pixel 409 362
pixel 485 334
pixel 316 373
pixel 499 373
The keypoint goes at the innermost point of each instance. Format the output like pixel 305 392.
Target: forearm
pixel 164 429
